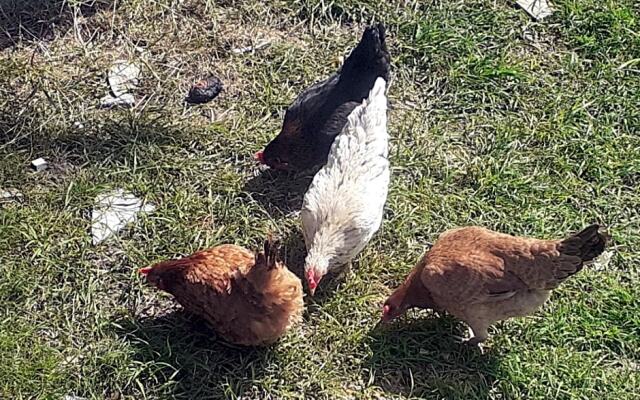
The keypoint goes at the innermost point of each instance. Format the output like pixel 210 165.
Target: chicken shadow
pixel 32 20
pixel 422 358
pixel 280 193
pixel 189 359
pixel 294 251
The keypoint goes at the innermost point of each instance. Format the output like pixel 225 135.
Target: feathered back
pixel 364 139
pixel 248 299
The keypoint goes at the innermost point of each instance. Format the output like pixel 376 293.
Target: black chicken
pixel 319 113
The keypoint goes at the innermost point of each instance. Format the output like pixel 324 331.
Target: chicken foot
pixel 478 333
pixel 475 338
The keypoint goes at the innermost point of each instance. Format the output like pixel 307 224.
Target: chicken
pixel 248 299
pixel 343 207
pixel 319 113
pixel 481 276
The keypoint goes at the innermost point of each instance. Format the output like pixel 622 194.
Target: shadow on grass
pixel 186 360
pixel 421 358
pixel 114 142
pixel 294 251
pixel 280 193
pixel 32 20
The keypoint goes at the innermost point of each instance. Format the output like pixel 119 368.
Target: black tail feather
pixel 370 54
pixel 587 244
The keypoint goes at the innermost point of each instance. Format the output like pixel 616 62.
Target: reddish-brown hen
pixel 247 299
pixel 482 277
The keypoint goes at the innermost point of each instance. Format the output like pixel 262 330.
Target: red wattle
pixel 259 156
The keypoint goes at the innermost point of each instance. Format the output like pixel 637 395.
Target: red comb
pixel 145 270
pixel 259 156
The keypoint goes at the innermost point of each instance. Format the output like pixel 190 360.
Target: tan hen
pixel 247 299
pixel 482 277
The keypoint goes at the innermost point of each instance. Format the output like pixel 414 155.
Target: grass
pixel 529 128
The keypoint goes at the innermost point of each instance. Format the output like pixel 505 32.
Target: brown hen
pixel 247 299
pixel 482 277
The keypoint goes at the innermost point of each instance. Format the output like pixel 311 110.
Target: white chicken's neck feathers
pixel 343 207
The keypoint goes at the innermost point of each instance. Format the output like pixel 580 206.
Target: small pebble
pixel 39 164
pixel 259 46
pixel 126 100
pixel 204 90
pixel 10 195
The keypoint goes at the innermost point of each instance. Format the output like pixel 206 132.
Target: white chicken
pixel 343 207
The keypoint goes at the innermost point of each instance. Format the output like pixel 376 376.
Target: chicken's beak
pixel 144 271
pixel 259 156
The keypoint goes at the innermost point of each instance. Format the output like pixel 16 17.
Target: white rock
pixel 9 195
pixel 39 164
pixel 113 211
pixel 538 9
pixel 126 100
pixel 602 262
pixel 123 77
pixel 260 45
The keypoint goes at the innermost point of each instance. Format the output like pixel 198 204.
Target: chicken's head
pixel 313 280
pixel 274 155
pixel 314 272
pixel 259 157
pixel 290 150
pixel 153 277
pixel 393 308
pixel 316 266
pixel 165 275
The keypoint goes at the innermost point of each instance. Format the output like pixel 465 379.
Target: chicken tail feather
pixel 370 53
pixel 587 244
pixel 269 255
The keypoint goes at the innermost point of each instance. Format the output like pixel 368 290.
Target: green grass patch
pixel 497 120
